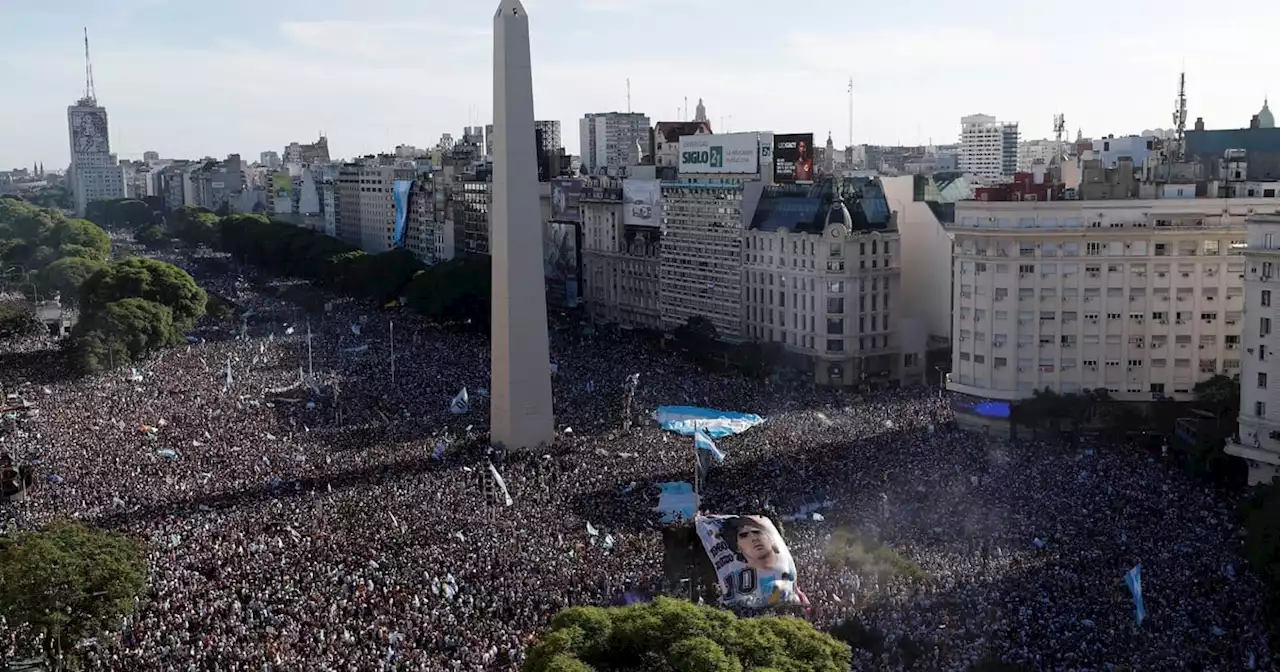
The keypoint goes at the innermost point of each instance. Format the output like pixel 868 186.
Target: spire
pixel 90 98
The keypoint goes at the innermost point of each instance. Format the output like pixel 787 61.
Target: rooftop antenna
pixel 1180 116
pixel 1059 127
pixel 685 117
pixel 628 95
pixel 90 96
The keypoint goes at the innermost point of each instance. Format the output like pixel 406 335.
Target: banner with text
pixel 720 154
pixel 793 158
pixel 565 194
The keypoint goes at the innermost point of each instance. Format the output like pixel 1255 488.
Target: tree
pixel 139 325
pixel 454 292
pixel 148 279
pixel 66 275
pixel 1260 516
pixel 697 339
pixel 677 636
pixel 194 225
pixel 152 236
pixel 17 320
pixel 80 238
pixel 120 213
pixel 68 582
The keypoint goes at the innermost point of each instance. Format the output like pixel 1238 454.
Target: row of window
pixel 1053 365
pixel 1158 317
pixel 1232 341
pixel 1091 293
pixel 1114 248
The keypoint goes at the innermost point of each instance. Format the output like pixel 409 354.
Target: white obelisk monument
pixel 520 414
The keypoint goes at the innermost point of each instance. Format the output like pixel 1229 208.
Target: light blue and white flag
pixel 703 442
pixel 1133 578
pixel 461 403
pixel 502 485
pixel 687 420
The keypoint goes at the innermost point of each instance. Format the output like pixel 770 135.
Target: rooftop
pixel 803 208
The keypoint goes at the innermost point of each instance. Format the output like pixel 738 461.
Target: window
pixel 1262 380
pixel 1259 408
pixel 1264 326
pixel 1266 297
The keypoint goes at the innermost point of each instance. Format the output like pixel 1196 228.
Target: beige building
pixel 1258 442
pixel 621 265
pixel 1141 297
pixel 366 204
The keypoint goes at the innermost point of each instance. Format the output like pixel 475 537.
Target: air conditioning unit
pixel 1181 322
pixel 1093 367
pixel 1161 274
pixel 1093 275
pixel 1186 275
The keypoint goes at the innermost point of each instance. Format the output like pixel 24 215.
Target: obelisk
pixel 520 414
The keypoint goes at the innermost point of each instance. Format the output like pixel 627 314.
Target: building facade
pixel 608 141
pixel 988 148
pixel 1258 441
pixel 701 270
pixel 622 264
pixel 365 202
pixel 95 173
pixel 549 132
pixel 821 277
pixel 1143 298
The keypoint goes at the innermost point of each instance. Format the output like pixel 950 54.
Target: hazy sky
pixel 190 78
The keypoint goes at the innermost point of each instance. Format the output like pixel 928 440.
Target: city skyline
pixel 370 82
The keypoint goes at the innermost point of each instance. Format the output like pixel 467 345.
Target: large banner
pixel 793 158
pixel 642 200
pixel 720 154
pixel 89 132
pixel 560 262
pixel 751 559
pixel 400 194
pixel 566 193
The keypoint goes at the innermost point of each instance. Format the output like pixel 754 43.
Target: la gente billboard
pixel 720 154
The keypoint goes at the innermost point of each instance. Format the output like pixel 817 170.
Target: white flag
pixel 461 403
pixel 502 485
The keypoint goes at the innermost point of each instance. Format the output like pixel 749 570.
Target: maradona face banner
pixel 751 559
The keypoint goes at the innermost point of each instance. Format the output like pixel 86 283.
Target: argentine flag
pixel 703 442
pixel 1133 578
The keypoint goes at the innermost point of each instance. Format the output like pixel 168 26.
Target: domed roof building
pixel 1265 118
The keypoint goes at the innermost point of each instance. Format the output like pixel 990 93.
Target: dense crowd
pixel 301 515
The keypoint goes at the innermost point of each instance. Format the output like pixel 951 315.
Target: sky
pixel 191 79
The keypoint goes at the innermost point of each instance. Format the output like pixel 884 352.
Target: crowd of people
pixel 310 502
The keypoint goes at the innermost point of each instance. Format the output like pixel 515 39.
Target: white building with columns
pixel 1258 442
pixel 1143 298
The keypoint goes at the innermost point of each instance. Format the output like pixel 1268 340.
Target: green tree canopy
pixel 80 238
pixel 127 213
pixel 152 236
pixel 148 279
pixel 66 275
pixel 195 225
pixel 138 325
pixel 676 636
pixel 17 320
pixel 456 292
pixel 68 582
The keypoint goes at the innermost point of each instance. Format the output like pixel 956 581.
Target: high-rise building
pixel 95 173
pixel 550 134
pixel 271 160
pixel 701 272
pixel 365 201
pixel 988 148
pixel 150 156
pixel 1141 297
pixel 608 140
pixel 307 154
pixel 1258 441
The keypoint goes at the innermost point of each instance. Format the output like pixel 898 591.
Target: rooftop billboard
pixel 720 154
pixel 566 192
pixel 793 158
pixel 642 202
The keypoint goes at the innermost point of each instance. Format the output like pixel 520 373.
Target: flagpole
pixel 311 371
pixel 392 324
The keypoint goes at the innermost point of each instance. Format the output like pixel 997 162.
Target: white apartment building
pixel 1259 437
pixel 925 259
pixel 1141 297
pixel 366 204
pixel 621 265
pixel 95 173
pixel 828 296
pixel 701 272
pixel 988 148
pixel 609 140
pixel 1031 152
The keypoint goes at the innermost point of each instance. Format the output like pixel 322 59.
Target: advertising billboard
pixel 281 185
pixel 793 158
pixel 400 194
pixel 751 559
pixel 720 154
pixel 642 202
pixel 89 132
pixel 560 262
pixel 565 195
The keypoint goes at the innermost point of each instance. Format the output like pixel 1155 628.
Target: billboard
pixel 751 560
pixel 560 262
pixel 565 195
pixel 793 158
pixel 720 154
pixel 281 185
pixel 400 194
pixel 89 132
pixel 642 202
